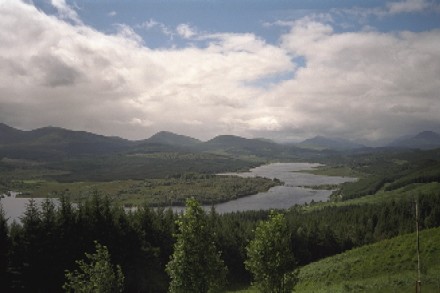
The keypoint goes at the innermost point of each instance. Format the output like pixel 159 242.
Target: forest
pixel 51 239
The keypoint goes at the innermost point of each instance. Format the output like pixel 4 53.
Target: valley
pixel 94 177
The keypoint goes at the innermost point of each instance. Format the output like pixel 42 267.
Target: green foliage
pixel 270 257
pixel 195 266
pixel 97 274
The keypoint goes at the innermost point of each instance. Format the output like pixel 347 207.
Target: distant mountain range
pixel 54 143
pixel 324 143
pixel 424 140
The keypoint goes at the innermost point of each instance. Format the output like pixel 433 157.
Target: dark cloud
pixel 55 72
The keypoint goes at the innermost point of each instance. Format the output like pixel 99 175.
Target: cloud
pixel 354 82
pixel 112 13
pixel 408 6
pixel 364 85
pixel 127 32
pixel 65 11
pixel 362 15
pixel 113 84
pixel 153 24
pixel 186 31
pixel 54 71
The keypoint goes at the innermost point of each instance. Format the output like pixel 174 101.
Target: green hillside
pixel 386 266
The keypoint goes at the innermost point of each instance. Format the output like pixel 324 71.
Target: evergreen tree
pixel 98 275
pixel 31 254
pixel 4 245
pixel 270 258
pixel 195 266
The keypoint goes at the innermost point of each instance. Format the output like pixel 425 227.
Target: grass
pixel 382 196
pixel 386 266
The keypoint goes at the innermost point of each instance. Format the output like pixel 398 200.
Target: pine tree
pixel 4 245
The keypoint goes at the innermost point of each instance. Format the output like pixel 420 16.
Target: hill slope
pixel 165 137
pixel 387 266
pixel 423 140
pixel 56 143
pixel 323 143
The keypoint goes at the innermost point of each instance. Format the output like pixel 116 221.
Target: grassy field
pixel 408 191
pixel 387 266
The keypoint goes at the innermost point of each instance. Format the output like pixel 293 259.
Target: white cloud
pixel 365 84
pixel 152 24
pixel 65 11
pixel 112 13
pixel 83 79
pixel 186 31
pixel 362 15
pixel 353 81
pixel 128 33
pixel 408 6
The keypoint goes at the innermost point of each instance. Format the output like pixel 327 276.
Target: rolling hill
pixel 325 143
pixel 169 138
pixel 423 140
pixel 53 143
pixel 386 266
pixel 56 143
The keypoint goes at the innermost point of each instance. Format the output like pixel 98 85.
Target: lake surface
pixel 278 197
pixel 285 196
pixel 14 207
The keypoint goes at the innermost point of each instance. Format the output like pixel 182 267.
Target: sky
pixel 287 70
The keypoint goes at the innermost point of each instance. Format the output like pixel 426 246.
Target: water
pixel 278 197
pixel 281 197
pixel 15 207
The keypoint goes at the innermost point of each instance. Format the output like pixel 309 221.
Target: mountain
pixel 56 143
pixel 169 138
pixel 325 143
pixel 10 135
pixel 233 140
pixel 240 146
pixel 424 140
pixel 237 142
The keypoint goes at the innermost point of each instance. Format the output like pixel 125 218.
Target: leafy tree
pixel 195 266
pixel 98 275
pixel 270 258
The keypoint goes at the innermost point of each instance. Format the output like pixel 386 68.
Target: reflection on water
pixel 278 197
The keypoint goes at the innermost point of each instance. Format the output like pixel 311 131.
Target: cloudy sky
pixel 286 70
